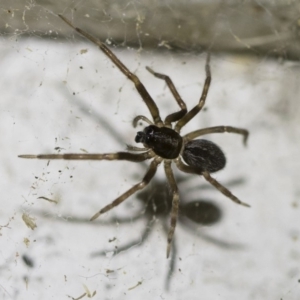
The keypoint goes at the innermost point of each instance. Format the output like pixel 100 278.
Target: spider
pixel 162 141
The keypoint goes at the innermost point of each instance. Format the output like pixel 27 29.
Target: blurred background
pixel 60 93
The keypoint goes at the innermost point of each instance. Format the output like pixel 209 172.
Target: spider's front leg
pixel 217 129
pixel 222 189
pixel 194 111
pixel 177 115
pixel 93 156
pixel 136 81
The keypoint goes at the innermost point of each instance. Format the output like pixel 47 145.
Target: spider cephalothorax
pixel 162 141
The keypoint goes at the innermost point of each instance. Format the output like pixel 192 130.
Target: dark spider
pixel 162 142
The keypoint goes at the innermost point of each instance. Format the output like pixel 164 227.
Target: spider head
pixel 164 141
pixel 145 136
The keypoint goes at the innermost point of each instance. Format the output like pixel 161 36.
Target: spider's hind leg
pixel 132 77
pixel 187 169
pixel 223 189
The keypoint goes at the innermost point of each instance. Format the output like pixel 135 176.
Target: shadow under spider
pixel 156 205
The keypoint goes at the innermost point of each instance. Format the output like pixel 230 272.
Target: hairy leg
pixel 217 129
pixel 187 169
pixel 193 112
pixel 139 86
pixel 177 115
pixel 175 204
pixel 139 186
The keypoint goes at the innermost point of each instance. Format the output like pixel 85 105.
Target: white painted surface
pixel 38 106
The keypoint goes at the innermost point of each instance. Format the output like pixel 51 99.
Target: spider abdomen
pixel 204 156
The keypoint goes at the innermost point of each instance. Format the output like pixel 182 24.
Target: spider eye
pixel 140 137
pixel 146 135
pixel 149 131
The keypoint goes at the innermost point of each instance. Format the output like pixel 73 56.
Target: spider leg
pixel 138 118
pixel 139 86
pixel 217 129
pixel 175 204
pixel 94 156
pixel 187 169
pixel 222 189
pixel 139 186
pixel 194 111
pixel 177 115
